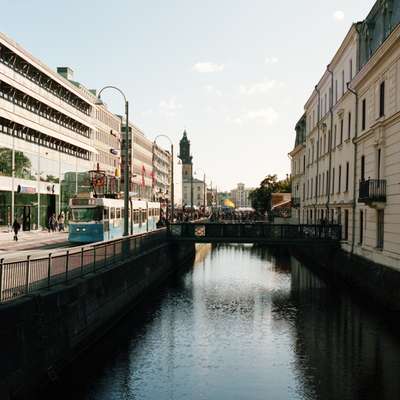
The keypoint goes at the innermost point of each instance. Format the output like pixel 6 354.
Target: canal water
pixel 242 323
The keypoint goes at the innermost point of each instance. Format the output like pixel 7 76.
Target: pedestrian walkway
pixel 31 240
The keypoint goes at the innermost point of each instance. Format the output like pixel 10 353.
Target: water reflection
pixel 243 323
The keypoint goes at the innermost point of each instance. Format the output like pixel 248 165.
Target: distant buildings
pixel 240 196
pixel 345 162
pixel 161 173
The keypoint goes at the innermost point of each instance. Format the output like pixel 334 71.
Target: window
pixel 347 176
pixel 350 69
pixel 118 213
pixel 334 136
pixel 326 104
pixel 361 226
pixel 341 130
pixel 382 99
pixel 379 164
pixel 342 82
pixel 362 168
pixel 349 126
pixel 112 212
pixel 311 188
pixel 346 224
pixel 327 182
pixel 336 94
pixel 380 215
pixel 340 179
pixel 363 114
pixel 333 180
pixel 323 185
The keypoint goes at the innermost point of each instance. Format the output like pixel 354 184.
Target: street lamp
pixel 172 173
pixel 126 148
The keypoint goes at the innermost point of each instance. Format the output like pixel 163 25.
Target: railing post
pixel 28 264
pixel 1 279
pixel 66 265
pixel 82 261
pixel 48 270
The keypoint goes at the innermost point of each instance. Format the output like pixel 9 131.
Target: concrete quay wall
pixel 377 283
pixel 42 333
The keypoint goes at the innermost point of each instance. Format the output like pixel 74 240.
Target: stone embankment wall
pixel 43 332
pixel 377 283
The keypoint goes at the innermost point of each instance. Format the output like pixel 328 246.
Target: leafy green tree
pixel 23 164
pixel 261 198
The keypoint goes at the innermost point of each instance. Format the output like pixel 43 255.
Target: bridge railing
pixel 257 231
pixel 18 278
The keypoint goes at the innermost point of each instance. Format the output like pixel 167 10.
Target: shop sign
pixel 26 189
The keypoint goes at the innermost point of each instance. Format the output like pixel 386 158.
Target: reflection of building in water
pixel 46 138
pixel 342 351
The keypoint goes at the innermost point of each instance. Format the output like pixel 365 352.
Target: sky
pixel 234 73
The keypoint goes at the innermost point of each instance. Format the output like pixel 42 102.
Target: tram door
pixel 26 218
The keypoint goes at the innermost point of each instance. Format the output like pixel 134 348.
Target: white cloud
pixel 169 107
pixel 207 67
pixel 260 87
pixel 267 116
pixel 271 60
pixel 213 90
pixel 338 15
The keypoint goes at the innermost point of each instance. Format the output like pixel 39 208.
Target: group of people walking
pixel 56 223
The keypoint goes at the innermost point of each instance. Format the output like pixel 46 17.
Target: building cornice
pixel 375 59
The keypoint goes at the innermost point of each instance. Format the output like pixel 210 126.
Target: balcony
pixel 372 192
pixel 296 202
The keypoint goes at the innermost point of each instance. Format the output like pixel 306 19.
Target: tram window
pixel 144 215
pixel 118 213
pixel 105 213
pixel 122 212
pixel 136 216
pixel 112 212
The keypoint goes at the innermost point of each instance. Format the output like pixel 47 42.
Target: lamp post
pixel 126 151
pixel 172 174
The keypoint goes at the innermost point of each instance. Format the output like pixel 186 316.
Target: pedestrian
pixel 61 221
pixel 16 227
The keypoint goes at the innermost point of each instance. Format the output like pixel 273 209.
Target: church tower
pixel 186 158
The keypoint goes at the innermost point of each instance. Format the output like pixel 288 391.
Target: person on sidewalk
pixel 61 221
pixel 16 227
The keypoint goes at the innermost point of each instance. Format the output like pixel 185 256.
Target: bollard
pixel 66 265
pixel 48 271
pixel 28 264
pixel 1 279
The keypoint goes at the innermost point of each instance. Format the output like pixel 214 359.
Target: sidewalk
pixel 31 240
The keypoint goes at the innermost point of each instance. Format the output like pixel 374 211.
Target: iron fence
pixel 21 277
pixel 253 232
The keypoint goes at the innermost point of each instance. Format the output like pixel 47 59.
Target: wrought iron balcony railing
pixel 372 190
pixel 295 202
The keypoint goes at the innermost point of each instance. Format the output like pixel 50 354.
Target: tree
pixel 23 164
pixel 261 198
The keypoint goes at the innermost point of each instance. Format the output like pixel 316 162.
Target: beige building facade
pixel 345 162
pixel 240 196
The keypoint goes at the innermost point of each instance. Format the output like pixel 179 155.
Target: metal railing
pixel 371 190
pixel 254 232
pixel 18 278
pixel 295 202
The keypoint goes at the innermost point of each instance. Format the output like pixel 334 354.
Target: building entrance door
pixel 26 218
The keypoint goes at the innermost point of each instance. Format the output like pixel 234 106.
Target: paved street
pixel 30 241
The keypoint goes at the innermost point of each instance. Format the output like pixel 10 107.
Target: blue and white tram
pixel 98 219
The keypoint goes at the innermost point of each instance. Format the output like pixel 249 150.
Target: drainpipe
pixel 318 144
pixel 330 142
pixel 354 170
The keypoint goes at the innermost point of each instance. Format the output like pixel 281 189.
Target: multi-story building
pixel 345 163
pixel 162 163
pixel 105 136
pixel 45 138
pixel 140 162
pixel 240 196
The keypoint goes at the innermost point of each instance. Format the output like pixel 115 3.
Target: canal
pixel 241 323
